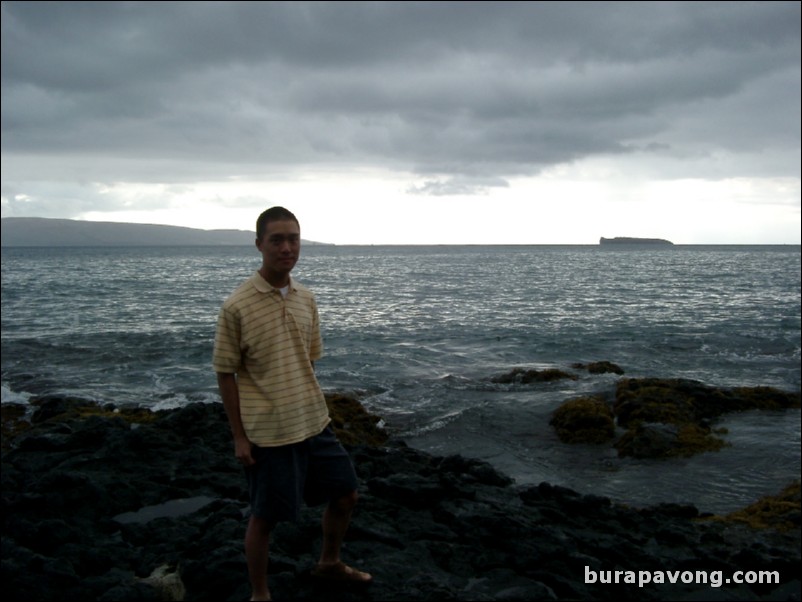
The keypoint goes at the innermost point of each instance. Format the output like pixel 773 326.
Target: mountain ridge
pixel 53 232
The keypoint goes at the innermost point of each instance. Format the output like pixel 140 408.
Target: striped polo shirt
pixel 270 342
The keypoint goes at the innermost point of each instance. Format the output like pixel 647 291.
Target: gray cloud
pixel 466 95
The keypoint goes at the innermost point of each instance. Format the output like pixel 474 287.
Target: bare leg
pixel 257 542
pixel 336 519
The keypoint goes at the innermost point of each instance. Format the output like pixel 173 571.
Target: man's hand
pixel 242 450
pixel 230 394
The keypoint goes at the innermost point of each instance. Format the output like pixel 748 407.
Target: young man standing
pixel 266 343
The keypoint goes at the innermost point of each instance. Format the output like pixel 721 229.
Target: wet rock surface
pixel 662 417
pixel 116 505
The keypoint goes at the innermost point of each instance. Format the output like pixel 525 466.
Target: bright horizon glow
pixel 563 207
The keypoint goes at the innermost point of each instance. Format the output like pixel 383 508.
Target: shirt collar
pixel 263 286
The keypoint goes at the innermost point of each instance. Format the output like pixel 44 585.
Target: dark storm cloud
pixel 466 94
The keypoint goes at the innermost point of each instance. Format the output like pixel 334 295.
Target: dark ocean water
pixel 421 331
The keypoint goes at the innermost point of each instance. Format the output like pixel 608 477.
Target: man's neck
pixel 275 280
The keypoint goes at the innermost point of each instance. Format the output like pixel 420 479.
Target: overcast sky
pixel 409 122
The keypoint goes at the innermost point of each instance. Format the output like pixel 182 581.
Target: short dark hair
pixel 274 214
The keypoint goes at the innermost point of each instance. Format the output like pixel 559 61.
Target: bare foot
pixel 339 571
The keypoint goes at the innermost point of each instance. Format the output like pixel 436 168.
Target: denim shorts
pixel 313 471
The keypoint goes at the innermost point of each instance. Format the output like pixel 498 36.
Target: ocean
pixel 419 333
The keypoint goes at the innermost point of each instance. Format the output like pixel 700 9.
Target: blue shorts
pixel 314 471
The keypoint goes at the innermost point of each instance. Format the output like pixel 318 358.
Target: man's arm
pixel 227 383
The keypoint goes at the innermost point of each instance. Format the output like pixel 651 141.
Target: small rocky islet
pixel 115 504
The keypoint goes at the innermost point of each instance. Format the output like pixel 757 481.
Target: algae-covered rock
pixel 762 398
pixel 352 423
pixel 656 400
pixel 679 401
pixel 781 511
pixel 523 376
pixel 662 417
pixel 686 409
pixel 603 367
pixel 661 440
pixel 649 440
pixel 584 420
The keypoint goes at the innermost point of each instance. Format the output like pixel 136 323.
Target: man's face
pixel 280 247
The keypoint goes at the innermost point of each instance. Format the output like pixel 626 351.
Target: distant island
pixel 626 240
pixel 47 232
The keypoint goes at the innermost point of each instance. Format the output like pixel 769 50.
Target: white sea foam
pixel 9 396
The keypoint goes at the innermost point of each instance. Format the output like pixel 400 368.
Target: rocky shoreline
pixel 113 505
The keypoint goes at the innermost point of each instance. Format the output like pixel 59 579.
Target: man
pixel 267 340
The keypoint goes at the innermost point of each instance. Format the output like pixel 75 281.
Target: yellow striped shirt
pixel 270 342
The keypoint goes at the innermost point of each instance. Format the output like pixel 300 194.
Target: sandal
pixel 342 573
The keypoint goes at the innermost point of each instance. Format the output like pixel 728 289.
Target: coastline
pixel 97 500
